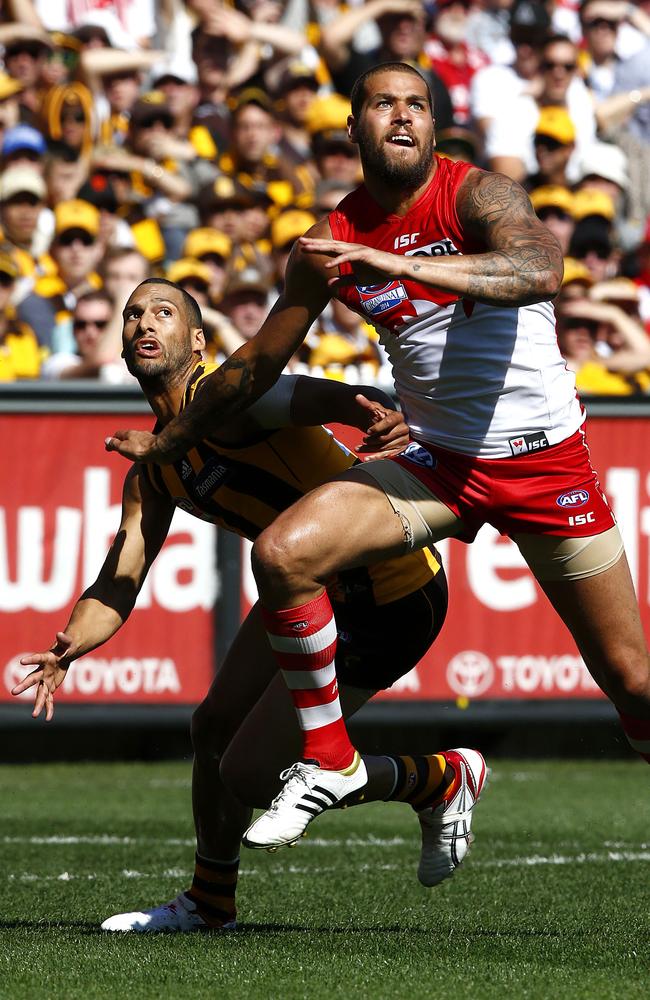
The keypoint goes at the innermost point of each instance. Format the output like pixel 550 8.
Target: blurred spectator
pixel 328 194
pixel 343 339
pixel 100 191
pixel 211 54
pixel 246 301
pixel 221 336
pixel 591 241
pixel 509 143
pixel 213 249
pixel 22 194
pixel 296 90
pixel 64 173
pixel 67 117
pixel 25 59
pixel 600 21
pixel 402 30
pixel 75 253
pixel 554 143
pixel 20 354
pixel 285 230
pixel 335 156
pixel 177 79
pixel 553 205
pixel 252 156
pixel 452 59
pixel 497 85
pixel 576 280
pixel 23 145
pixel 9 105
pixel 98 343
pixel 459 143
pixel 607 349
pixel 488 29
pixel 122 268
pixel 625 120
pixel 220 206
pixel 605 167
pixel 119 23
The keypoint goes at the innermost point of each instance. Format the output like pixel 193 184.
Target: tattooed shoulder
pixel 486 198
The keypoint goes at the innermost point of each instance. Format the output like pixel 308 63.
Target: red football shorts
pixel 554 491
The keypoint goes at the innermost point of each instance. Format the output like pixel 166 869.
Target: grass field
pixel 552 903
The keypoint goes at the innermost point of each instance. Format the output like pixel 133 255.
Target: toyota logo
pixel 470 673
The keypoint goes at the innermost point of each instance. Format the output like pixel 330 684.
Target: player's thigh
pixel 242 678
pixel 270 740
pixel 588 582
pixel 349 522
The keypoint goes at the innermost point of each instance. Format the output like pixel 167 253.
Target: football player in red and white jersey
pixel 457 273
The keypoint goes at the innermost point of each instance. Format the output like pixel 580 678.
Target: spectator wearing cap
pixel 509 143
pixel 97 343
pixel 402 32
pixel 100 191
pixel 74 256
pixel 246 301
pixel 491 87
pixel 195 277
pixel 454 61
pixel 553 204
pixel 22 196
pixel 335 156
pixel 297 88
pixel 25 59
pixel 162 188
pixel 213 249
pixel 221 204
pixel 20 354
pixel 554 143
pixel 23 145
pixel 285 230
pixel 576 281
pixel 592 241
pixel 604 166
pixel 252 157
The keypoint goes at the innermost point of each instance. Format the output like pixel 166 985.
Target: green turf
pixel 552 903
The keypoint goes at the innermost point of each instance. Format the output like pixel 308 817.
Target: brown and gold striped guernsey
pixel 244 487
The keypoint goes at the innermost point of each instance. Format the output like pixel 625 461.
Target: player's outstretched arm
pixel 104 607
pixel 247 373
pixel 522 262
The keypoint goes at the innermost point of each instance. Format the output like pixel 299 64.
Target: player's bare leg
pixel 602 614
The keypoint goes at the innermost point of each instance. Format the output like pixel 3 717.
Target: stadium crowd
pixel 198 140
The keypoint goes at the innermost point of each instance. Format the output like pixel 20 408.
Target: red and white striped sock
pixel 638 734
pixel 304 642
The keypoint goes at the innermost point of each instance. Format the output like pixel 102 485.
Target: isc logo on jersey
pixel 377 299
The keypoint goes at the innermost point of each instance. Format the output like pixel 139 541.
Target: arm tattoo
pixel 523 262
pixel 224 393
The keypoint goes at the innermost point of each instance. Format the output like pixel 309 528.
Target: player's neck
pixel 165 394
pixel 396 201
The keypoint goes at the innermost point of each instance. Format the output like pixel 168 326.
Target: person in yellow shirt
pixel 20 354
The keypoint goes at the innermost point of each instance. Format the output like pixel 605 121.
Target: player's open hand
pixel 387 432
pixel 51 668
pixel 139 446
pixel 369 266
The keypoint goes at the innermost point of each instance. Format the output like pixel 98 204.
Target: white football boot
pixel 179 916
pixel 446 828
pixel 309 790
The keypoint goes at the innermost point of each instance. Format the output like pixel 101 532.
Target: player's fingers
pixel 49 707
pixel 27 682
pixel 39 701
pixel 113 443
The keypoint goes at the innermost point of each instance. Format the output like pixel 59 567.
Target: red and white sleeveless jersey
pixel 478 379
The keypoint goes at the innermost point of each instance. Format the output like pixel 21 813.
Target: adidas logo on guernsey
pixel 309 790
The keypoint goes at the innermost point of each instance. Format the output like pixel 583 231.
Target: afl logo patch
pixel 574 498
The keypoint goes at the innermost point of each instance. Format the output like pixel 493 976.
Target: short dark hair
pixel 97 295
pixel 192 308
pixel 358 94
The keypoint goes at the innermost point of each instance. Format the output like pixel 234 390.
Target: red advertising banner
pixel 501 639
pixel 59 510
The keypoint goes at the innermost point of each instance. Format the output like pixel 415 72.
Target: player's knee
pixel 629 679
pixel 280 557
pixel 206 731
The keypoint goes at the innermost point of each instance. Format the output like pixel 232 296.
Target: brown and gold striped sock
pixel 213 890
pixel 420 779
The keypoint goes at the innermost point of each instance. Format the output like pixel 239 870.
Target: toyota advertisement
pixel 59 510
